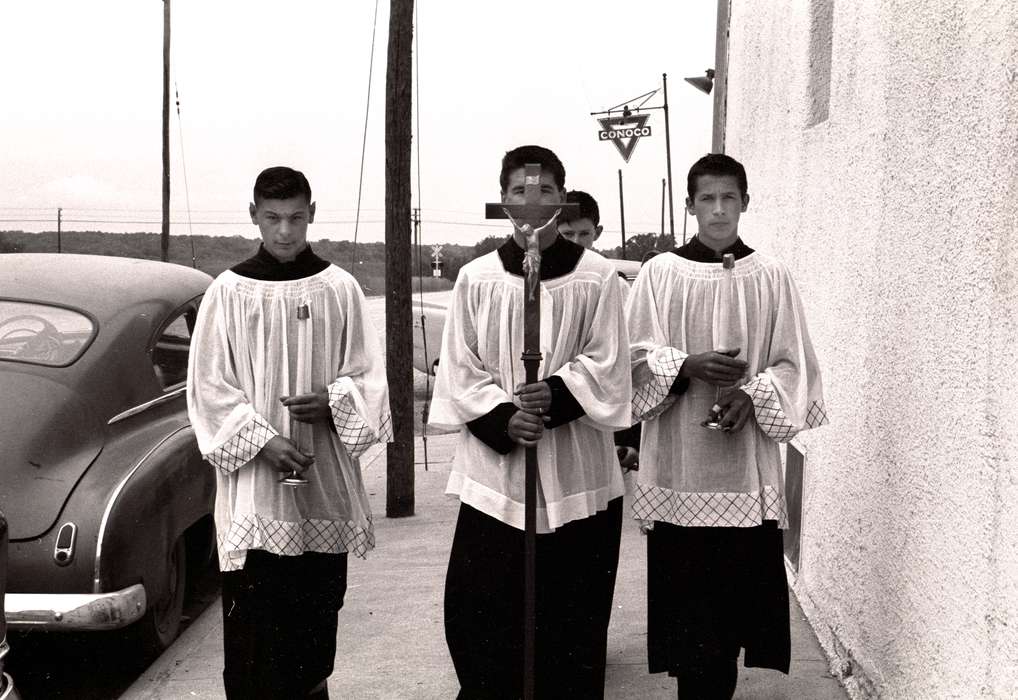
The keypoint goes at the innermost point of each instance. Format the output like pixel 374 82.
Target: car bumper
pixel 71 611
pixel 7 689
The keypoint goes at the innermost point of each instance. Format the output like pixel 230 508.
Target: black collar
pixel 696 251
pixel 558 259
pixel 263 266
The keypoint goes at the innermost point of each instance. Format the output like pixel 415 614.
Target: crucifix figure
pixel 533 219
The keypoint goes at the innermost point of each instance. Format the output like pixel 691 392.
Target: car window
pixel 42 334
pixel 169 356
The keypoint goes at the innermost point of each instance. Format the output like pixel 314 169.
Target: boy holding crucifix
pixel 568 416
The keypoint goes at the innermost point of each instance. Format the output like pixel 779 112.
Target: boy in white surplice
pixel 286 379
pixel 570 415
pixel 725 339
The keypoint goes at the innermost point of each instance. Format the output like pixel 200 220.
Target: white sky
pixel 81 87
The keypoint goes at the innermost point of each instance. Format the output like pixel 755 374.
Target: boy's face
pixel 580 231
pixel 717 205
pixel 550 193
pixel 283 224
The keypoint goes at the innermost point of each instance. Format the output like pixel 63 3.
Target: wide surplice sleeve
pixel 230 432
pixel 655 365
pixel 359 397
pixel 464 389
pixel 788 394
pixel 598 377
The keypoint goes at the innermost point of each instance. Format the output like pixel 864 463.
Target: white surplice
pixel 583 341
pixel 690 475
pixel 250 348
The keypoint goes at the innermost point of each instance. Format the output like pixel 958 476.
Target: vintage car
pixel 106 495
pixel 429 319
pixel 7 690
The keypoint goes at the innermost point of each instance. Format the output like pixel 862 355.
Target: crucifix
pixel 531 210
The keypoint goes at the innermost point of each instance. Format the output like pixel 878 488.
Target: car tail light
pixel 63 552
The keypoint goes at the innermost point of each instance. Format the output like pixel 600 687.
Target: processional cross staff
pixel 531 210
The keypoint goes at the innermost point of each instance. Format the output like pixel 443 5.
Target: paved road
pixel 391 643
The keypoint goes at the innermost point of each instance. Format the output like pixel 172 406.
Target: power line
pixel 364 141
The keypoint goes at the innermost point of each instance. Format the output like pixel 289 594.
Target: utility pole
pixel 721 77
pixel 60 213
pixel 399 496
pixel 164 239
pixel 622 215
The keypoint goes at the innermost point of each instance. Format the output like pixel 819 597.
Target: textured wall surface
pixel 898 215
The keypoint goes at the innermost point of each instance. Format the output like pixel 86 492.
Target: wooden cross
pixel 531 210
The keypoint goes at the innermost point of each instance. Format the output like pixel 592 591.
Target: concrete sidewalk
pixel 391 637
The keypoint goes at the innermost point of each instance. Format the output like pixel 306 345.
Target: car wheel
pixel 160 624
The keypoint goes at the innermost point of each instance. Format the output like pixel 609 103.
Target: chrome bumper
pixel 72 611
pixel 7 689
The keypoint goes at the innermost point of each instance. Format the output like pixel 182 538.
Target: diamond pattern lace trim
pixel 709 509
pixel 353 431
pixel 242 447
pixel 291 539
pixel 769 416
pixel 653 398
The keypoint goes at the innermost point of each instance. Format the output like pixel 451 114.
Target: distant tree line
pixel 639 245
pixel 213 254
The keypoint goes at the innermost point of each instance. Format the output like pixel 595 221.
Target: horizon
pixel 83 130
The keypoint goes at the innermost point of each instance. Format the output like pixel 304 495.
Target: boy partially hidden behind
pixel 706 334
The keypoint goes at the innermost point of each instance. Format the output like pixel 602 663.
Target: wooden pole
pixel 60 213
pixel 622 215
pixel 721 77
pixel 399 496
pixel 531 362
pixel 164 239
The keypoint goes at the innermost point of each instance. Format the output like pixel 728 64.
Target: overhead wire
pixel 183 168
pixel 364 141
pixel 417 236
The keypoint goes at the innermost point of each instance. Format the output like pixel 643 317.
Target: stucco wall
pixel 898 216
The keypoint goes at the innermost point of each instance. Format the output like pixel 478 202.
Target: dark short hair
pixel 521 156
pixel 281 182
pixel 718 165
pixel 588 207
pixel 649 254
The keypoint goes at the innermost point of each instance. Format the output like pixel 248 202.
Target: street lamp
pixel 705 84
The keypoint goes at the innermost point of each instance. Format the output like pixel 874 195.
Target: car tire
pixel 160 624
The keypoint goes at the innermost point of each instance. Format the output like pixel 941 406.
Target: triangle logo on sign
pixel 624 132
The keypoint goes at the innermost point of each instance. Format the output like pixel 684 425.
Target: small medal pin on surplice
pixel 303 313
pixel 713 421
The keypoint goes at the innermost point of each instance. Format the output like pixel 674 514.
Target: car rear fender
pixel 3 576
pixel 168 490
